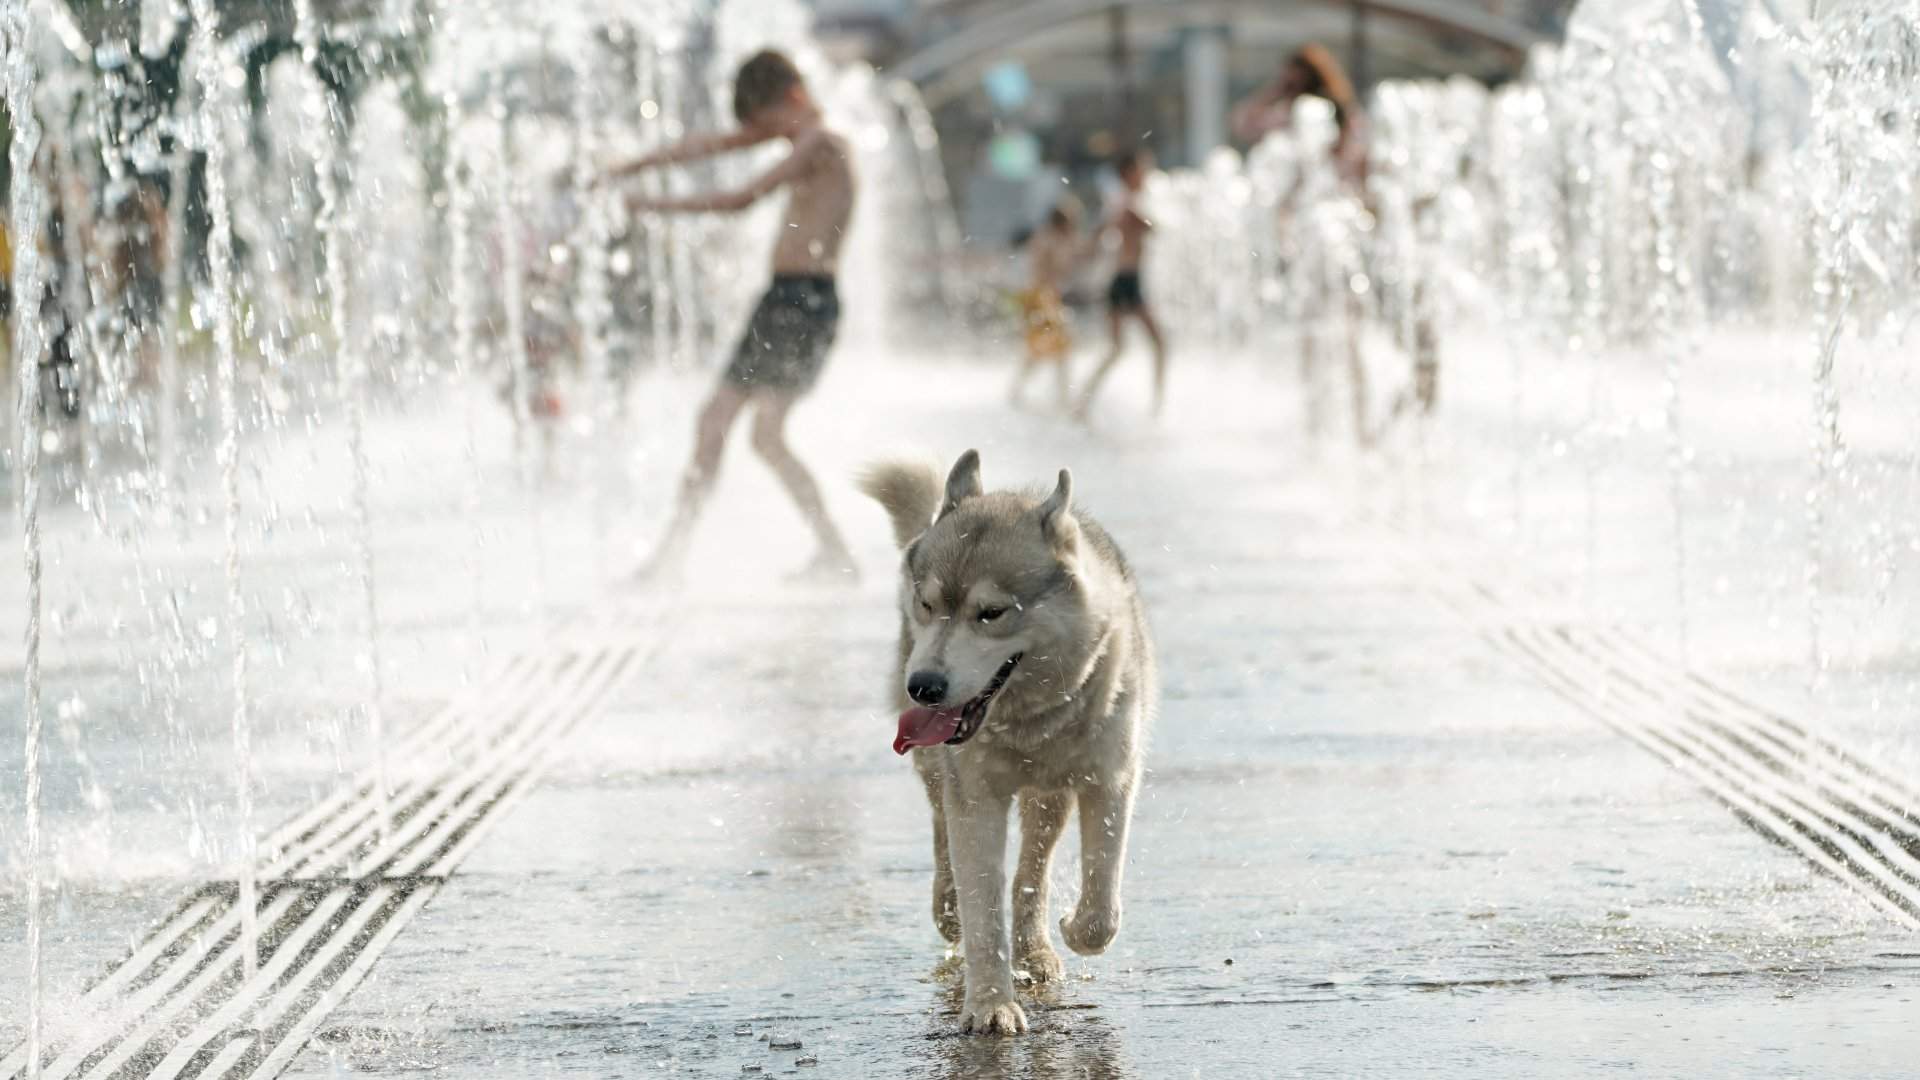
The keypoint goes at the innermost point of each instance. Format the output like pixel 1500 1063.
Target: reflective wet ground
pixel 1369 841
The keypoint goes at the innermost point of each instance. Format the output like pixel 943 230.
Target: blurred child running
pixel 1052 255
pixel 1125 298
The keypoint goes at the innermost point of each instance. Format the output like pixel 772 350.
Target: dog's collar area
pixel 975 711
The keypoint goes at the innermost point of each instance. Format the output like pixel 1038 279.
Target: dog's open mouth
pixel 921 726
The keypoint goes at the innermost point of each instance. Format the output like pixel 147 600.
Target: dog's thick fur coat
pixel 1023 634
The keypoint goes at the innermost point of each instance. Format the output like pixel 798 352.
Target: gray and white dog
pixel 1027 672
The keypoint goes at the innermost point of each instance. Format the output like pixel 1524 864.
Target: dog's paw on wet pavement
pixel 1040 964
pixel 995 1016
pixel 1089 930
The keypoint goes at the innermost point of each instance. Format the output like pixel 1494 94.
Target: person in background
pixel 1125 298
pixel 134 236
pixel 792 329
pixel 6 279
pixel 1333 310
pixel 1052 254
pixel 1310 72
pixel 63 232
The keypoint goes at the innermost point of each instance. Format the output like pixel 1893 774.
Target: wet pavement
pixel 1370 841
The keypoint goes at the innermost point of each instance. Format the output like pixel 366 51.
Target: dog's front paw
pixel 993 1016
pixel 1089 930
pixel 1040 964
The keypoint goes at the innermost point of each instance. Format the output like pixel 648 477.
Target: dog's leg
pixel 1105 813
pixel 946 907
pixel 1043 817
pixel 977 833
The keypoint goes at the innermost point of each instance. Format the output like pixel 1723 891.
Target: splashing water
pixel 212 74
pixel 28 344
pixel 680 236
pixel 659 297
pixel 352 378
pixel 592 309
pixel 466 324
pixel 532 445
pixel 1866 73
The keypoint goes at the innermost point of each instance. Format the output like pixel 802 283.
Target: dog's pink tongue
pixel 925 727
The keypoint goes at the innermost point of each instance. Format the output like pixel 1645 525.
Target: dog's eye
pixel 926 609
pixel 992 613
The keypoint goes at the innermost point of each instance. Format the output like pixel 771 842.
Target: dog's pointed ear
pixel 963 482
pixel 1056 515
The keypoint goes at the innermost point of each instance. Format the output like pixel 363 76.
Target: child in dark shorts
pixel 1124 294
pixel 789 334
pixel 787 339
pixel 1124 297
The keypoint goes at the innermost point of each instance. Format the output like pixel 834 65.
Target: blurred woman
pixel 1310 72
pixel 1327 212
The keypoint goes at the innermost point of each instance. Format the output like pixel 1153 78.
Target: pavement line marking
pixel 1889 862
pixel 311 955
pixel 329 956
pixel 235 1050
pixel 1763 819
pixel 516 787
pixel 580 691
pixel 1804 830
pixel 156 1006
pixel 1790 737
pixel 227 924
pixel 214 1024
pixel 363 814
pixel 475 701
pixel 148 959
pixel 453 795
pixel 420 791
pixel 1829 829
pixel 494 758
pixel 1807 775
pixel 294 1039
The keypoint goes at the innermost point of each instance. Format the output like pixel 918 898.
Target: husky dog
pixel 1026 670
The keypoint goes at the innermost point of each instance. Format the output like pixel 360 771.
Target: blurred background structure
pixel 1026 92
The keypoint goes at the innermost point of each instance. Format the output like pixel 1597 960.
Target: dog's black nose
pixel 927 687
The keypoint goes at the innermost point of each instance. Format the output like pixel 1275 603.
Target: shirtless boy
pixel 1051 254
pixel 1124 298
pixel 786 341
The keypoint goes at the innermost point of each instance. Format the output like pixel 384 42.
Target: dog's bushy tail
pixel 909 492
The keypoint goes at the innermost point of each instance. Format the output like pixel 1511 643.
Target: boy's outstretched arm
pixel 732 202
pixel 694 147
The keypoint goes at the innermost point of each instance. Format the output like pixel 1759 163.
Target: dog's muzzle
pixel 922 726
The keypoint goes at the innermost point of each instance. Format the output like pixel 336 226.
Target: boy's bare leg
pixel 1159 360
pixel 770 442
pixel 709 439
pixel 1114 320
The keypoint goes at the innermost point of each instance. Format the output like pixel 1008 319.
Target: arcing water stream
pixel 28 204
pixel 352 377
pixel 212 74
